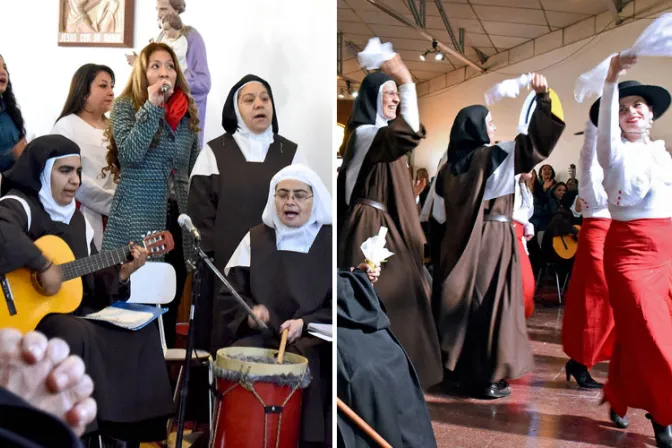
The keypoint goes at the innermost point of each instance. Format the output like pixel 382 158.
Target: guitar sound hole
pixel 36 284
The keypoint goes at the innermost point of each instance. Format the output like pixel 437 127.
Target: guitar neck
pixel 94 263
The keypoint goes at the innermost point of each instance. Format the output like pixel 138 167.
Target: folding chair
pixel 156 283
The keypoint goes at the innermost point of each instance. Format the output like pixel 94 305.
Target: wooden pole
pixel 362 424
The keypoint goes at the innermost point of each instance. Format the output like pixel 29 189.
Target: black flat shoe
pixel 620 422
pixel 663 433
pixel 581 375
pixel 496 390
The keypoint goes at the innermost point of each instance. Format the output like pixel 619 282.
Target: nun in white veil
pixel 283 270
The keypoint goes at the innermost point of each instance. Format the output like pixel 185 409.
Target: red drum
pixel 258 402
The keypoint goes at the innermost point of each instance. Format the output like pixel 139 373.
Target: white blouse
pixel 590 176
pixel 637 176
pixel 523 208
pixel 95 193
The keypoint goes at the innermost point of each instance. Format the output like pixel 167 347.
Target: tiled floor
pixel 543 411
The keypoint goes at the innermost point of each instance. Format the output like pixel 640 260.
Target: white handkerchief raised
pixel 374 249
pixel 507 89
pixel 656 40
pixel 375 54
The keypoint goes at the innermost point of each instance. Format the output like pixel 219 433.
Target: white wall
pixel 290 43
pixel 437 111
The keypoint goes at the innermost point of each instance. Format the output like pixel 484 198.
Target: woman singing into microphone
pixel 153 136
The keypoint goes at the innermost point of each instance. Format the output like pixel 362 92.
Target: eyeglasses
pixel 391 94
pixel 298 196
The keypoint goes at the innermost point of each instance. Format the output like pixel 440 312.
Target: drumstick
pixel 283 344
pixel 362 424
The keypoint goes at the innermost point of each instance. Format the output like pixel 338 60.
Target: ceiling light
pixel 354 94
pixel 341 94
pixel 438 55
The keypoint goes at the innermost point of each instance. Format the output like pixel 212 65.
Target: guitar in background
pixel 23 305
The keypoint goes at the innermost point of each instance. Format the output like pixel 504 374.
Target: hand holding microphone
pixel 158 90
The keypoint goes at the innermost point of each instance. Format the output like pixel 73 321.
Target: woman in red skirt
pixel 638 247
pixel 523 209
pixel 588 332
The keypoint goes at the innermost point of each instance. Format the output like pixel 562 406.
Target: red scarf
pixel 176 107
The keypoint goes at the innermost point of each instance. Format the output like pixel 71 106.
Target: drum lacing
pixel 248 385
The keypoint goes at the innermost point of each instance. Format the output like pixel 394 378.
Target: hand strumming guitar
pixel 139 255
pixel 50 279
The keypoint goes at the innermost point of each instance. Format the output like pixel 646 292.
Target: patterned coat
pixel 146 159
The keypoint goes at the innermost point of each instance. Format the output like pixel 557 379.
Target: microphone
pixel 164 89
pixel 185 222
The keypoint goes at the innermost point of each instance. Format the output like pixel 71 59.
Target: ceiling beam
pixel 614 7
pixel 446 23
pixel 339 43
pixel 424 33
pixel 354 51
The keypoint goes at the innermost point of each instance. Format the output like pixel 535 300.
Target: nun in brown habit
pixel 478 293
pixel 374 190
pixel 230 180
pixel 283 269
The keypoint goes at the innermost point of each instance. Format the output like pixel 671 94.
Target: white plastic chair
pixel 156 283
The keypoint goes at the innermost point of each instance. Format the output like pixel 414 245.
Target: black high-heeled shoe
pixel 581 375
pixel 663 433
pixel 620 422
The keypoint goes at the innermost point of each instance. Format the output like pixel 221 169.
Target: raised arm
pixel 133 131
pixel 608 127
pixel 393 142
pixel 543 134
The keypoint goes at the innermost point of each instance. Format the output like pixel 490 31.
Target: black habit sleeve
pixel 22 425
pixel 229 317
pixel 18 251
pixel 202 208
pixel 394 141
pixel 321 316
pixel 543 134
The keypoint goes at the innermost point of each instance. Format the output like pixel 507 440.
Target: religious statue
pixel 196 61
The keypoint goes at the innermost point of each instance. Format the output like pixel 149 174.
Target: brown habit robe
pixel 291 285
pixel 478 300
pixel 403 287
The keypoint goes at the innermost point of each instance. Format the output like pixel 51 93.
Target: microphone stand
pixel 201 259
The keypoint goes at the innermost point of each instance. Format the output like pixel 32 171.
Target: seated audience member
pixel 375 377
pixel 282 268
pixel 42 387
pixel 132 389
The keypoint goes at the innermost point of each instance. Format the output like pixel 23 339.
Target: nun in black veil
pixel 231 178
pixel 131 385
pixel 375 190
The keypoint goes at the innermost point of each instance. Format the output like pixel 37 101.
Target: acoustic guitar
pixel 565 246
pixel 24 304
